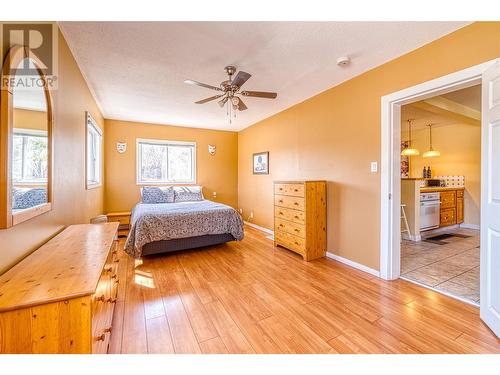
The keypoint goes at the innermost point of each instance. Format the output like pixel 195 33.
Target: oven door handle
pixel 430 203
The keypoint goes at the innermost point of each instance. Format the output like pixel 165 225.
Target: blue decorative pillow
pixel 23 198
pixel 157 194
pixel 188 193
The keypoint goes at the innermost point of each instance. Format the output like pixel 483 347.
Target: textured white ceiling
pixel 136 69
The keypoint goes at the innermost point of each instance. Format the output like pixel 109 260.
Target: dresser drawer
pixel 290 227
pixel 122 218
pixel 448 199
pixel 290 241
pixel 460 193
pixel 296 203
pixel 295 190
pixel 290 215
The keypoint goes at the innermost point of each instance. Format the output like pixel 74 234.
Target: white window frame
pixel 93 127
pixel 33 133
pixel 163 142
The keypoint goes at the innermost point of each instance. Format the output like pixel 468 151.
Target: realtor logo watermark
pixel 37 66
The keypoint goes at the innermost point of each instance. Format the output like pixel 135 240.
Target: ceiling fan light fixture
pixel 230 88
pixel 222 102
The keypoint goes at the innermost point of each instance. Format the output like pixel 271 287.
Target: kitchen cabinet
pixel 452 205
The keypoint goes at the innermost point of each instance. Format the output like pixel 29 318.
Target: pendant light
pixel 431 153
pixel 409 151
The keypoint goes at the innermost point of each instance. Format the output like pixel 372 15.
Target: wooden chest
pixel 61 298
pixel 300 217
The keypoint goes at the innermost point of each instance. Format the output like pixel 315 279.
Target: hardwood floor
pixel 250 297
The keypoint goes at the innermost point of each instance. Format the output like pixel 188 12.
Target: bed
pixel 179 225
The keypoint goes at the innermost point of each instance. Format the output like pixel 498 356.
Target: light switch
pixel 374 166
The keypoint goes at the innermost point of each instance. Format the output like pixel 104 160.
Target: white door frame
pixel 390 189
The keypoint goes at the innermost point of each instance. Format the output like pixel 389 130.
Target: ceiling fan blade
pixel 223 101
pixel 191 82
pixel 240 78
pixel 241 105
pixel 260 94
pixel 208 99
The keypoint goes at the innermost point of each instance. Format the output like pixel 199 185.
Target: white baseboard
pixel 353 264
pixel 262 229
pixel 411 237
pixel 470 226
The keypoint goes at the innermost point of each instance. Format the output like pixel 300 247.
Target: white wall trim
pixel 353 264
pixel 262 229
pixel 390 183
pixel 470 226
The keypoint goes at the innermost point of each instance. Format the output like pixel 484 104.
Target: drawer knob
pixel 296 203
pixel 281 213
pixel 296 217
pixel 101 337
pixel 281 201
pixel 296 190
pixel 296 243
pixel 297 230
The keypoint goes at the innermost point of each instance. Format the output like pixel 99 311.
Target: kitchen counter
pixel 438 188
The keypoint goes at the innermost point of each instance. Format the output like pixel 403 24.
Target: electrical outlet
pixel 373 167
pixel 214 194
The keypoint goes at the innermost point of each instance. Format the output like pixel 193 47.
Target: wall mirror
pixel 26 140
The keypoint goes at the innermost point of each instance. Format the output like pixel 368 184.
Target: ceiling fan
pixel 229 91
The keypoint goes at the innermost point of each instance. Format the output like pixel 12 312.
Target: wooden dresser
pixel 452 205
pixel 61 298
pixel 124 219
pixel 300 217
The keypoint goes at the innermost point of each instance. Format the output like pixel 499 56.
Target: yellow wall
pixel 28 119
pixel 215 173
pixel 336 134
pixel 460 147
pixel 72 202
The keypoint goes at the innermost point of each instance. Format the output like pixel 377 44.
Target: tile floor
pixel 452 267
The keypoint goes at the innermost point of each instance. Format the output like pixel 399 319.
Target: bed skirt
pixel 166 246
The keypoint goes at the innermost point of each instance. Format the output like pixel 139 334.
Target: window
pixel 165 162
pixel 29 164
pixel 94 153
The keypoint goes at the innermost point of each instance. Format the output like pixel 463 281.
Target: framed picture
pixel 405 161
pixel 261 163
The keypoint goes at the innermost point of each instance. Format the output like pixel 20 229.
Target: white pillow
pixel 188 193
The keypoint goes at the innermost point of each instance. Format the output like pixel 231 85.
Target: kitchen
pixel 440 192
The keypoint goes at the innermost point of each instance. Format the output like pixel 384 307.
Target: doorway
pixel 487 74
pixel 440 193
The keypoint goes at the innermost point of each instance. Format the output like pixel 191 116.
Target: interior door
pixel 490 199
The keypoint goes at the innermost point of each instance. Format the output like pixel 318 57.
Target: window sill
pixel 93 186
